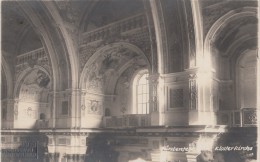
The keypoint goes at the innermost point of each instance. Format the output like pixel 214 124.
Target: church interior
pixel 129 81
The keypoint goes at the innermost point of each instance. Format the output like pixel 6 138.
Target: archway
pixel 246 79
pixel 226 42
pixel 32 90
pixel 106 79
pixel 218 27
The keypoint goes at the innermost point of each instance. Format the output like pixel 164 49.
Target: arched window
pixel 246 80
pixel 141 93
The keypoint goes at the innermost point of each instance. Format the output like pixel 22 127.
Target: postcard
pixel 129 81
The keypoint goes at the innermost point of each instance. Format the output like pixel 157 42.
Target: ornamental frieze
pixel 131 30
pixel 213 12
pixel 30 60
pixel 140 38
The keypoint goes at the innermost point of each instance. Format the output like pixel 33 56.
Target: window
pixel 246 80
pixel 141 93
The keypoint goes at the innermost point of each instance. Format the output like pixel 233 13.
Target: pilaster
pixel 153 101
pixel 62 110
pixel 75 96
pixel 203 97
pixel 9 111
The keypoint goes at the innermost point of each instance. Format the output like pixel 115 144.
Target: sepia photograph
pixel 130 81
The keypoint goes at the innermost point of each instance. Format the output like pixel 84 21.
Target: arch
pixel 8 75
pixel 49 35
pixel 22 42
pixel 32 91
pixel 235 51
pixel 160 34
pixel 100 51
pixel 111 87
pixel 244 68
pixel 198 31
pixel 69 44
pixel 240 44
pixel 23 75
pixel 220 24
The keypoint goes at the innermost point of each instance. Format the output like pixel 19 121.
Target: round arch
pixel 246 79
pixel 137 76
pixel 8 75
pixel 220 24
pixel 100 51
pixel 237 49
pixel 69 46
pixel 54 44
pixel 23 76
pixel 111 87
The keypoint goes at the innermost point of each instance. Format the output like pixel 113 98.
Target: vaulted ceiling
pixel 57 26
pixel 20 34
pixel 17 34
pixel 239 33
pixel 237 25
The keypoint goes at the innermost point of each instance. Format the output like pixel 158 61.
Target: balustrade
pixel 245 117
pixel 32 55
pixel 124 25
pixel 131 120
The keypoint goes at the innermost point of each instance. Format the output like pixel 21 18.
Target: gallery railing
pixel 245 117
pixel 32 55
pixel 131 23
pixel 131 120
